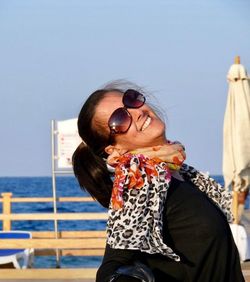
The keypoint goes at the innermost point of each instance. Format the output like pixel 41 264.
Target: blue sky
pixel 53 54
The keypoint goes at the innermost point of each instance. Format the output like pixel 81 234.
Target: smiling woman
pixel 166 219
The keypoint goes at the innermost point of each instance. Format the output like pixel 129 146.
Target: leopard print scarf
pixel 138 224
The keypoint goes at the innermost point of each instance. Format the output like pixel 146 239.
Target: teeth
pixel 146 123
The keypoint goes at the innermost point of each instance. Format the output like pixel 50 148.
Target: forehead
pixel 110 102
pixel 111 98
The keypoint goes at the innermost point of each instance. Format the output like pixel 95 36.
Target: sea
pixel 42 187
pixel 66 186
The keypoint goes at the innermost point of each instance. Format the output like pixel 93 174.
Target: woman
pixel 162 213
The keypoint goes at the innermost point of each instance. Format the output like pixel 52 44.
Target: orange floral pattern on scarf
pixel 171 157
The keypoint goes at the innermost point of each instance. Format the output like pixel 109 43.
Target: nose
pixel 136 114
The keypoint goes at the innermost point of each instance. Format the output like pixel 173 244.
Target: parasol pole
pixel 236 193
pixel 235 206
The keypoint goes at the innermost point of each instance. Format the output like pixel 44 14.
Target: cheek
pixel 128 140
pixel 162 125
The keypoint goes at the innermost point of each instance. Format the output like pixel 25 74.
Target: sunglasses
pixel 120 120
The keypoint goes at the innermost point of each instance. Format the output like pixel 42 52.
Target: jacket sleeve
pixel 112 260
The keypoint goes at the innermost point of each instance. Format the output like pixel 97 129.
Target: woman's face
pixel 146 129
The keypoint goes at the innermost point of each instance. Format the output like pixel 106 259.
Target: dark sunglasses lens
pixel 133 99
pixel 120 121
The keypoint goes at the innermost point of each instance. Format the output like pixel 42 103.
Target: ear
pixel 109 149
pixel 115 149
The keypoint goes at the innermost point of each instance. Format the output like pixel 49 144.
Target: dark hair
pixel 89 166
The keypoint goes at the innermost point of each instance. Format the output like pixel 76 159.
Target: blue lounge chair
pixel 21 258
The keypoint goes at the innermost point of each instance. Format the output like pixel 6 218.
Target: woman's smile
pixel 146 123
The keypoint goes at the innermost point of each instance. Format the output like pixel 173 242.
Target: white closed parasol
pixel 236 136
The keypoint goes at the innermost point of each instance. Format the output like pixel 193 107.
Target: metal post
pixel 54 187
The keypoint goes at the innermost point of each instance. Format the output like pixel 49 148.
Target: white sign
pixel 67 141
